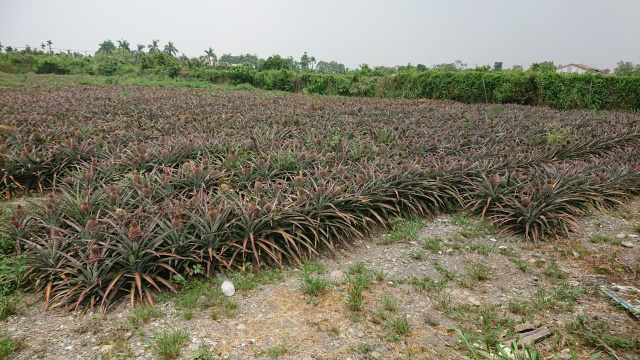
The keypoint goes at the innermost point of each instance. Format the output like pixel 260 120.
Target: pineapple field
pixel 132 190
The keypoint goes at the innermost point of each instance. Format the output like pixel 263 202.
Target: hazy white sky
pixel 594 32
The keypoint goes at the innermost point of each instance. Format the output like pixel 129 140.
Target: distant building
pixel 579 69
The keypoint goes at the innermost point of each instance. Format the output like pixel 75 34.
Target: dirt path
pixel 452 273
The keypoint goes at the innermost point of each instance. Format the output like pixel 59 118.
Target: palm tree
pixel 49 43
pixel 42 46
pixel 9 49
pixel 153 48
pixel 107 47
pixel 211 56
pixel 312 61
pixel 169 49
pixel 1 47
pixel 304 61
pixel 123 45
pixel 139 52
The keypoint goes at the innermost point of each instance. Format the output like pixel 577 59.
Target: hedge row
pixel 556 90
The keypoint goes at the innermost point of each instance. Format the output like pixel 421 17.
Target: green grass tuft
pixel 168 345
pixel 8 346
pixel 143 315
pixel 314 286
pixel 403 230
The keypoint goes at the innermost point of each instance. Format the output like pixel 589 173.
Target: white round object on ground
pixel 228 288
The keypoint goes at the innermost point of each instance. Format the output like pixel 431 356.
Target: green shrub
pixel 51 65
pixel 241 74
pixel 107 67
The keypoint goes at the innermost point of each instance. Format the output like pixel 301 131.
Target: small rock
pixel 621 236
pixel 575 254
pixel 337 276
pixel 493 239
pixel 242 327
pixel 106 348
pixel 340 288
pixel 626 244
pixel 474 301
pixel 632 236
pixel 376 355
pixel 505 349
pixel 360 334
pixel 12 329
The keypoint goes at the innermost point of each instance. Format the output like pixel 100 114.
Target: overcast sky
pixel 597 33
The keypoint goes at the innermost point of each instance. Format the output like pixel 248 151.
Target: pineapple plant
pixel 547 189
pixel 92 223
pixel 135 232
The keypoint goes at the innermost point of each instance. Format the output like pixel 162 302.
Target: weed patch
pixel 169 344
pixel 314 286
pixel 143 315
pixel 598 333
pixel 403 230
pixel 8 346
pixel 562 297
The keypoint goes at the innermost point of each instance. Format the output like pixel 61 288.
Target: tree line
pixel 121 58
